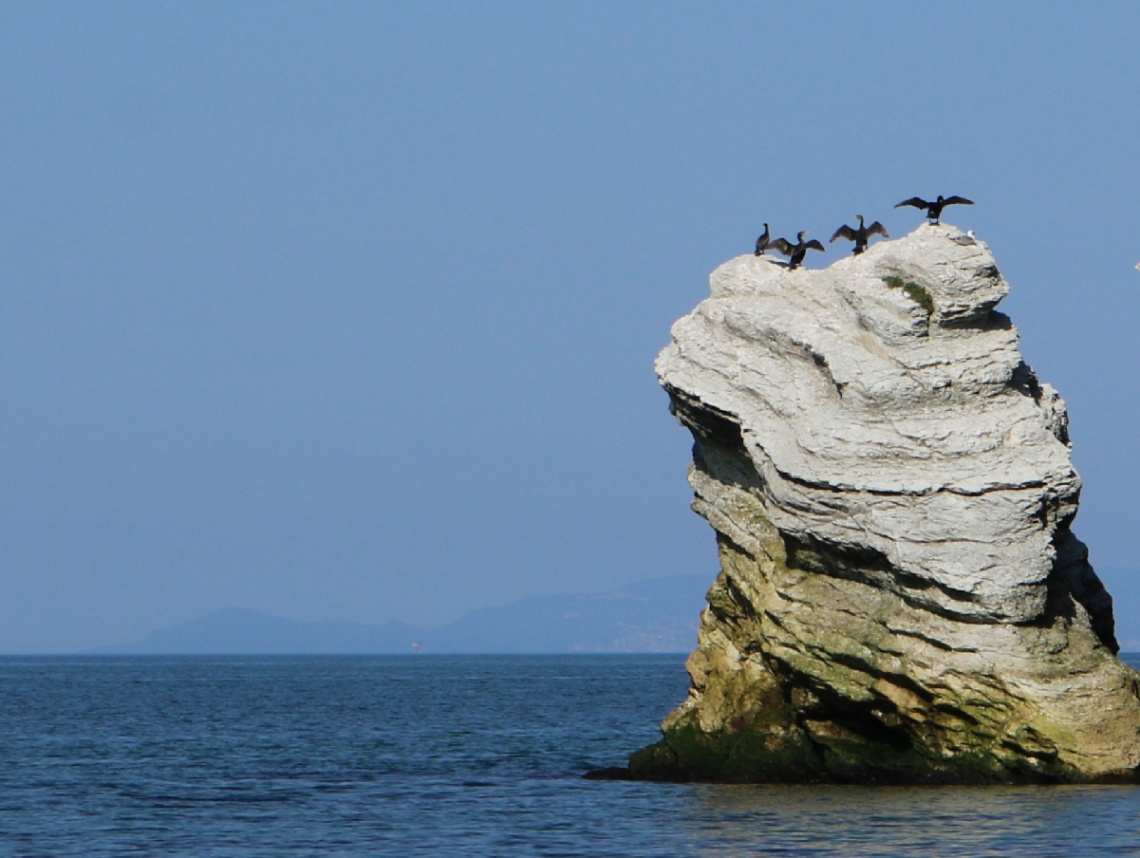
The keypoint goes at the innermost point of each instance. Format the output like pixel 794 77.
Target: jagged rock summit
pixel 901 597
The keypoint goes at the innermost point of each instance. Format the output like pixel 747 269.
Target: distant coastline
pixel 654 616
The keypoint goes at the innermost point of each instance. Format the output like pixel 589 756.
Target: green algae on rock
pixel 901 596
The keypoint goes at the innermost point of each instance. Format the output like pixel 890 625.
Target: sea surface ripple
pixel 444 755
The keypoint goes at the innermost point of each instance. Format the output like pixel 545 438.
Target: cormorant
pixel 860 235
pixel 795 252
pixel 762 242
pixel 934 209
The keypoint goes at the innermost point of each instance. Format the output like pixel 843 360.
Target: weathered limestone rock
pixel 901 598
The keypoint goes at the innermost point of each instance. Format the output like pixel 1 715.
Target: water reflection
pixel 913 821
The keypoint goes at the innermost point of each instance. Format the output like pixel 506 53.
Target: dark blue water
pixel 450 756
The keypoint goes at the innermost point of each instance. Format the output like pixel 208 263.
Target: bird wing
pixel 843 232
pixel 957 201
pixel 781 245
pixel 917 202
pixel 877 229
pixel 815 245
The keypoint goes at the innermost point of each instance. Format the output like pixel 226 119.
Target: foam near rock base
pixel 901 598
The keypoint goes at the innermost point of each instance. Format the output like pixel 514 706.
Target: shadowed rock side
pixel 901 598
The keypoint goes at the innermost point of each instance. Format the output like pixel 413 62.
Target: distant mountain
pixel 659 615
pixel 241 631
pixel 648 616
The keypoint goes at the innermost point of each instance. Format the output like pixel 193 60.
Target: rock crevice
pixel 901 596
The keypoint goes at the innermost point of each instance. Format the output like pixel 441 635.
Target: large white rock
pixel 893 492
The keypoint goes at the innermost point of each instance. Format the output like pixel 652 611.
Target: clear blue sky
pixel 348 311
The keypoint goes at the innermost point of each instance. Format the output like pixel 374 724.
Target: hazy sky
pixel 349 311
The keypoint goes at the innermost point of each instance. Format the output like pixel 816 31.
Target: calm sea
pixel 448 756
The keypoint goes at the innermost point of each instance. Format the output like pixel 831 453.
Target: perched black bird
pixel 795 252
pixel 934 209
pixel 762 242
pixel 861 235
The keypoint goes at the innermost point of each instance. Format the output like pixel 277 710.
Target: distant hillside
pixel 242 631
pixel 658 615
pixel 649 616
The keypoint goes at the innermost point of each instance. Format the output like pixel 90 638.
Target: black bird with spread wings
pixel 795 252
pixel 861 234
pixel 762 242
pixel 934 209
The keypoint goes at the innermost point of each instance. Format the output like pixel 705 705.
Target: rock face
pixel 901 597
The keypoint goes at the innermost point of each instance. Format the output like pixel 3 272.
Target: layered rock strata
pixel 901 597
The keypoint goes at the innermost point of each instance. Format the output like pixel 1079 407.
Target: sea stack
pixel 901 596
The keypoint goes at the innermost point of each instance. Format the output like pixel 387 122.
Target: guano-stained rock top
pixel 901 595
